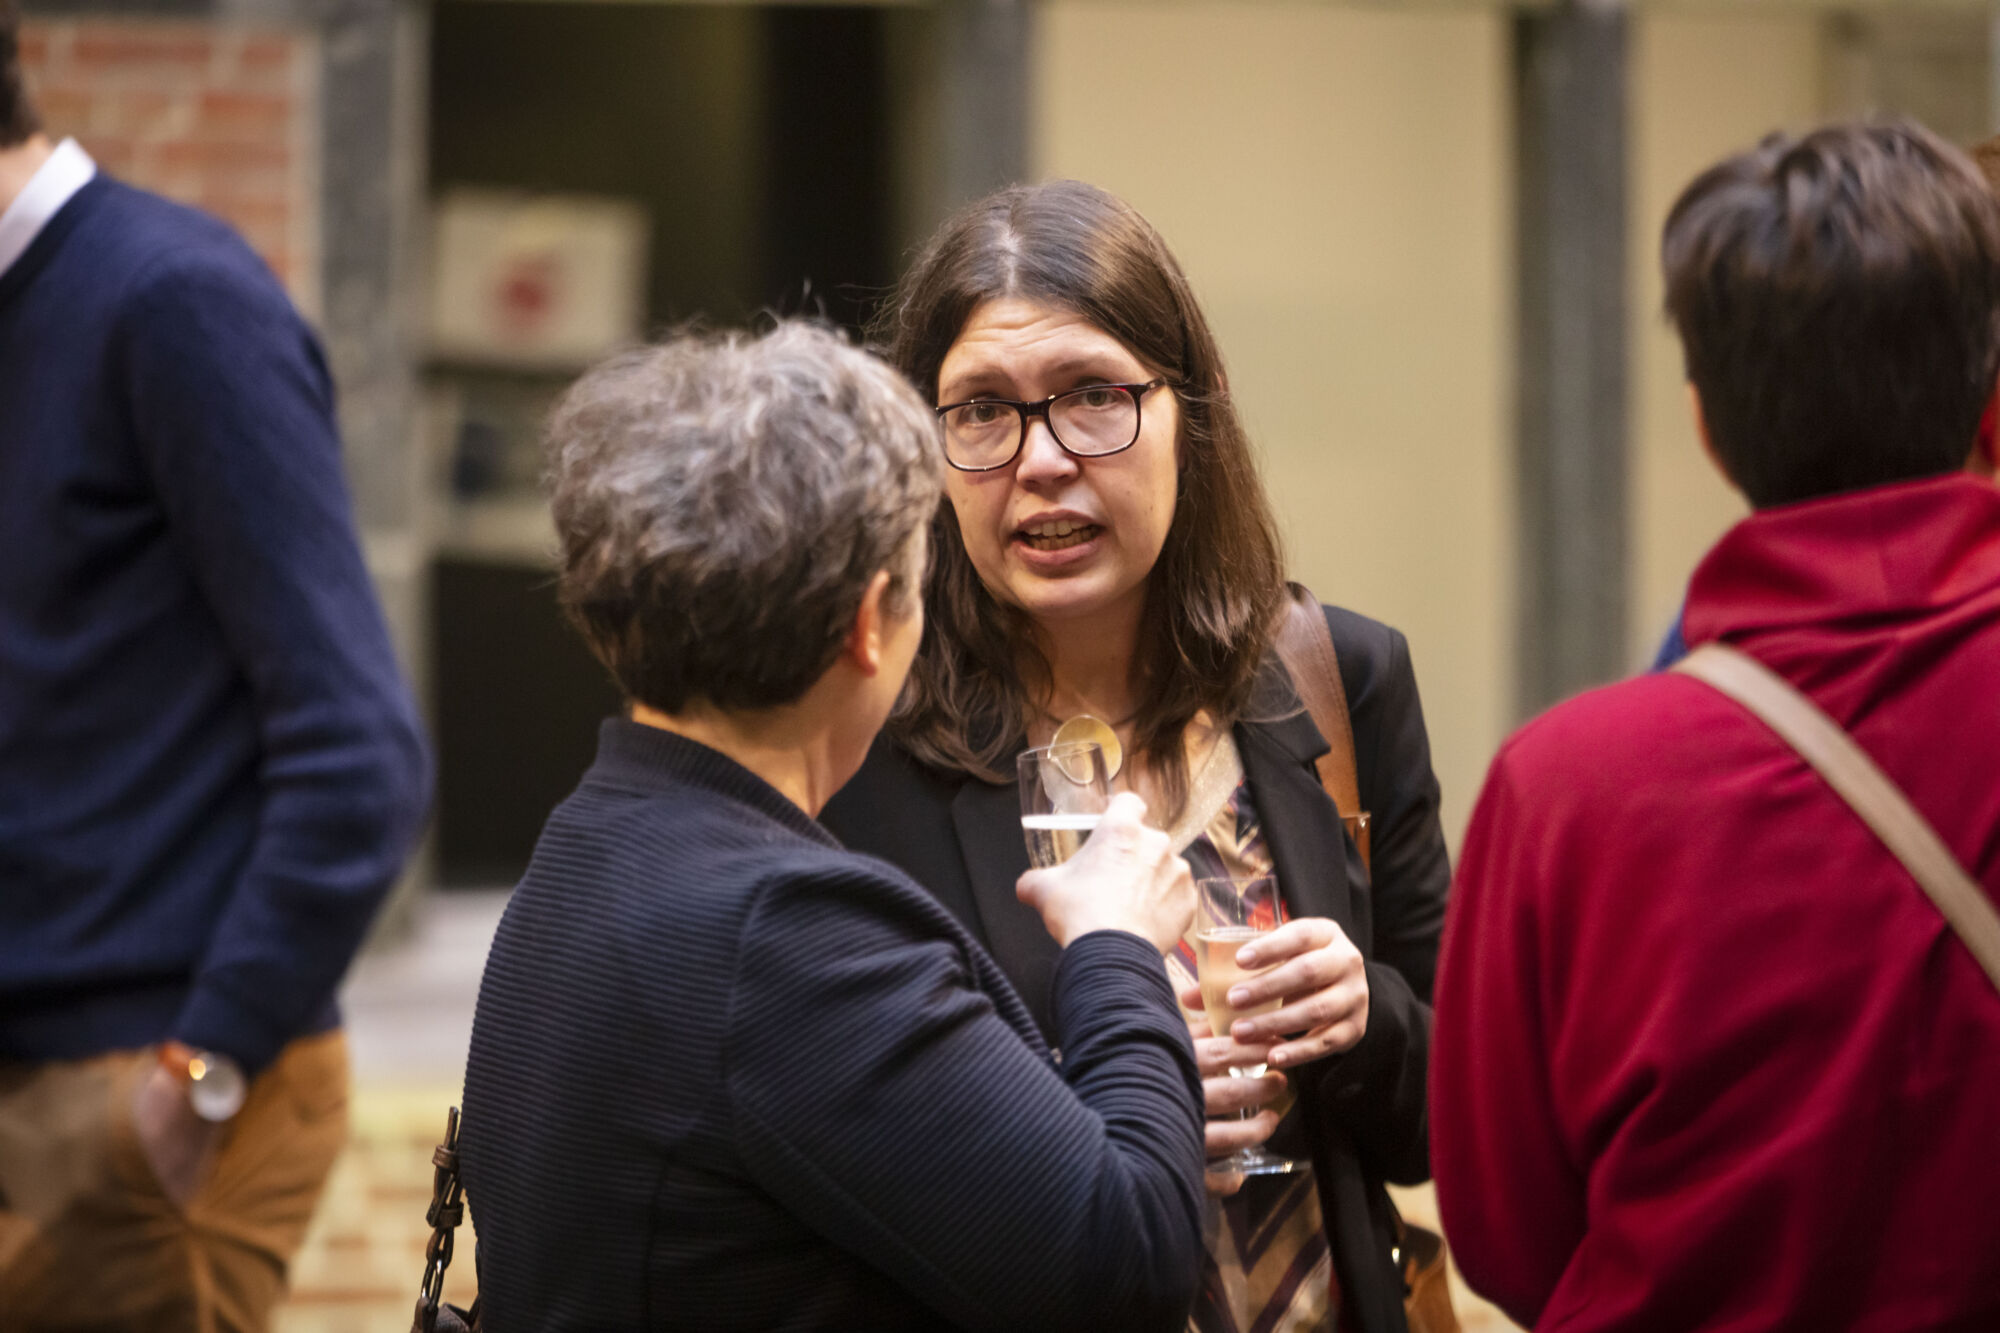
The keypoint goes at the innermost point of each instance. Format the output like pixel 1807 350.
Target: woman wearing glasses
pixel 1105 549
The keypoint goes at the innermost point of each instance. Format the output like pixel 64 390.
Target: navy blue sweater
pixel 210 767
pixel 726 1075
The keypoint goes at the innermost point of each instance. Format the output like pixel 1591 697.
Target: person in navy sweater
pixel 211 769
pixel 726 1074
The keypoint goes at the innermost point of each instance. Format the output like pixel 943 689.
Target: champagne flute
pixel 1230 914
pixel 1064 790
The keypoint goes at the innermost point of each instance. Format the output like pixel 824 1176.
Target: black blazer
pixel 960 837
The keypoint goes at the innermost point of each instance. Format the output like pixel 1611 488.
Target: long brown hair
pixel 1216 589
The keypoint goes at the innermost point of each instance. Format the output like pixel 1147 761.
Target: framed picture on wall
pixel 535 281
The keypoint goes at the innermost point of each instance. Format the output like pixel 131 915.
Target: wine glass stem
pixel 1248 1112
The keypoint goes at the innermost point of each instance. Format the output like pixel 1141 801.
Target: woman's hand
pixel 1125 877
pixel 1316 970
pixel 1228 1096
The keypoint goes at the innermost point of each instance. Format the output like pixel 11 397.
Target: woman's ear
pixel 864 639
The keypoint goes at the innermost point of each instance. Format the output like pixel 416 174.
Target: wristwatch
pixel 214 1082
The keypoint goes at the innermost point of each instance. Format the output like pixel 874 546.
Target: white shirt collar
pixel 68 170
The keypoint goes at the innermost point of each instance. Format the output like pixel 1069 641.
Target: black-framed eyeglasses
pixel 984 434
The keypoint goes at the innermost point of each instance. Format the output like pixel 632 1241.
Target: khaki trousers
pixel 89 1242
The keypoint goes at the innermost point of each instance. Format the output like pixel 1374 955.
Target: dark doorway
pixel 756 137
pixel 759 142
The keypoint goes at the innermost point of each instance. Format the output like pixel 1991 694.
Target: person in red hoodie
pixel 1705 1054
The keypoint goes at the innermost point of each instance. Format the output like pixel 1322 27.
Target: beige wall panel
pixel 1336 182
pixel 1703 86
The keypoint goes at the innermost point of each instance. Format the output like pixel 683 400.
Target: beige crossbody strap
pixel 1847 768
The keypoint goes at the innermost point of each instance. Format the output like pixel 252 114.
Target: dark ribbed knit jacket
pixel 726 1075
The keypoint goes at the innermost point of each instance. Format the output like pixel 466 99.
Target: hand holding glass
pixel 1064 789
pixel 1228 915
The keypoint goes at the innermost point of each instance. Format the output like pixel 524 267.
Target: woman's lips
pixel 1051 553
pixel 1077 536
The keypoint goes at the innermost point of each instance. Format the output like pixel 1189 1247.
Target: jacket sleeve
pixel 1411 874
pixel 1376 1093
pixel 233 411
pixel 882 1097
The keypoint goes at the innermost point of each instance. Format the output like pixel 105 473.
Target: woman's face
pixel 1061 537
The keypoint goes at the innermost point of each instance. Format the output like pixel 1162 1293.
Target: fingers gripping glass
pixel 1228 915
pixel 1097 419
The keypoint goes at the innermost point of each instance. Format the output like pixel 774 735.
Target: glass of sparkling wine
pixel 1064 789
pixel 1230 913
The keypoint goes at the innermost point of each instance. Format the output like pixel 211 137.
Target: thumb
pixel 1127 809
pixel 1118 830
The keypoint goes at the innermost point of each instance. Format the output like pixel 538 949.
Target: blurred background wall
pixel 1335 181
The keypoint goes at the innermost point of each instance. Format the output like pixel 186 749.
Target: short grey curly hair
pixel 723 502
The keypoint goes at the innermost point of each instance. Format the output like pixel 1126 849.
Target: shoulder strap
pixel 1306 649
pixel 1847 768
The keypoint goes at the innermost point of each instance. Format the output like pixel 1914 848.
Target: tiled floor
pixel 409 1012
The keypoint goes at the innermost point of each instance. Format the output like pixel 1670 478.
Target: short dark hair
pixel 1838 303
pixel 17 114
pixel 723 503
pixel 1214 594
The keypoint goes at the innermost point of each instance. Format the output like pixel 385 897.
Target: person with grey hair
pixel 724 1073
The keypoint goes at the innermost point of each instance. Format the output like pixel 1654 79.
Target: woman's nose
pixel 1042 459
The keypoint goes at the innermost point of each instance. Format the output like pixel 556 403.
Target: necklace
pixel 1085 729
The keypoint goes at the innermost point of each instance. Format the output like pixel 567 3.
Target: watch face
pixel 216 1086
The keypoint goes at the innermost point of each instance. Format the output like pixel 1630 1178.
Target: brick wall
pixel 221 116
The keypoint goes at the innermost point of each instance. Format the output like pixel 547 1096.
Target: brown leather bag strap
pixel 1306 648
pixel 1847 768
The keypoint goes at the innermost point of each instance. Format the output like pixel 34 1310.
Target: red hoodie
pixel 1705 1055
